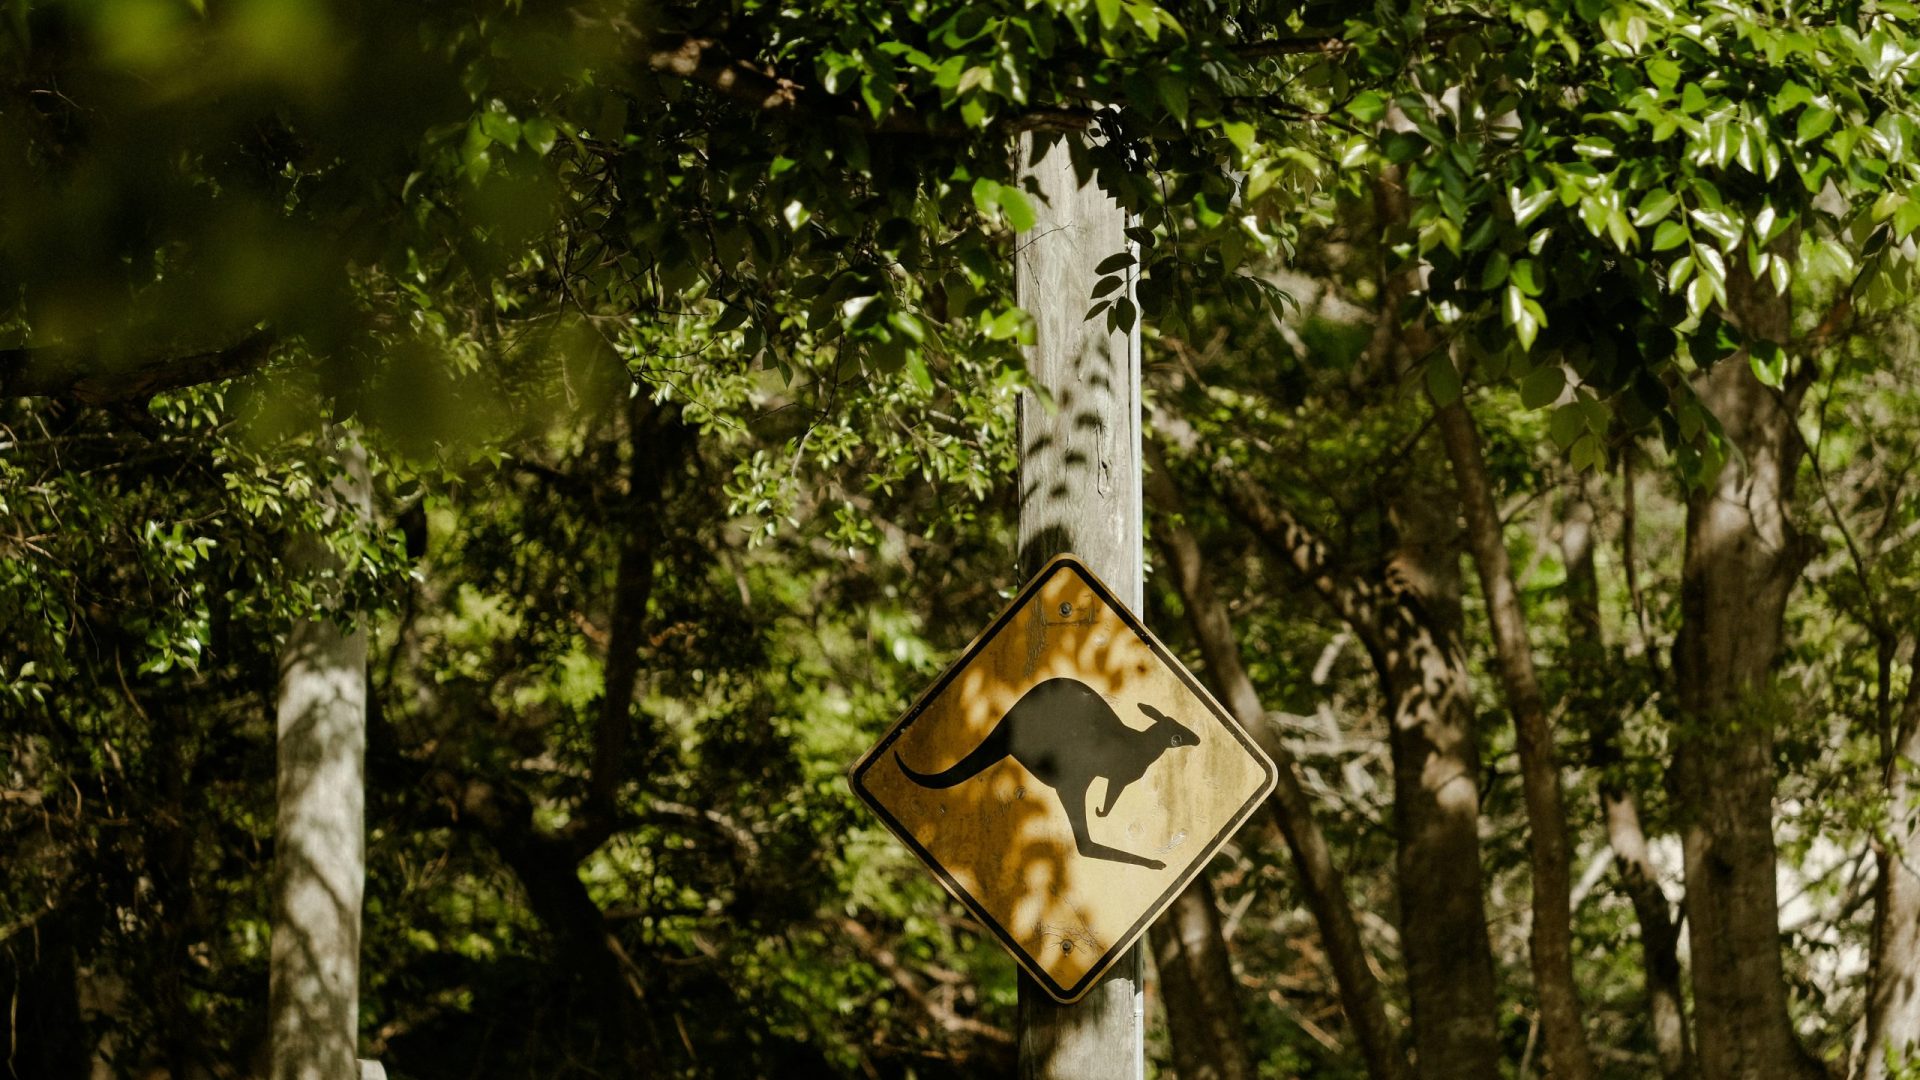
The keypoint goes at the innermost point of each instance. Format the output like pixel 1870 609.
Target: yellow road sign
pixel 1065 778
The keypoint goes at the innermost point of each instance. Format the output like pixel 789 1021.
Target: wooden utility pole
pixel 319 859
pixel 1079 492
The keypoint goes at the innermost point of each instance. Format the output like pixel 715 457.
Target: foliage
pixel 735 280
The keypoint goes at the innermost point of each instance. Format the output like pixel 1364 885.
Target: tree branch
pixel 1303 548
pixel 704 61
pixel 707 62
pixel 1299 46
pixel 85 376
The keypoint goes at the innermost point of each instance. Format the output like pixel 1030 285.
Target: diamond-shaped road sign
pixel 1065 778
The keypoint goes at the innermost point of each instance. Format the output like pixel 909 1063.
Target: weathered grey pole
pixel 1079 492
pixel 319 860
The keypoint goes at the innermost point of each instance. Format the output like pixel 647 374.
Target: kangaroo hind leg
pixel 1075 804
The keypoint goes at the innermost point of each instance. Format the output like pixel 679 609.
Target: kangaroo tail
pixel 978 760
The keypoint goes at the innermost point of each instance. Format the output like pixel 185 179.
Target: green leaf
pixel 1656 205
pixel 1522 275
pixel 1588 453
pixel 1173 94
pixel 1663 72
pixel 1769 362
pixel 1542 386
pixel 877 90
pixel 1528 207
pixel 1007 324
pixel 1241 134
pixel 1594 146
pixel 1721 224
pixel 1678 273
pixel 1014 204
pixel 1115 263
pixel 1493 273
pixel 990 195
pixel 540 134
pixel 1813 123
pixel 917 372
pixel 1403 146
pixel 1443 380
pixel 1368 107
pixel 1906 218
pixel 1567 424
pixel 1522 314
pixel 502 128
pixel 1791 94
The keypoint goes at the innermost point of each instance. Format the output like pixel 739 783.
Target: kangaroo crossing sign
pixel 1065 778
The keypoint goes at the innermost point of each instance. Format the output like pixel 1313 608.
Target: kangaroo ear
pixel 1153 712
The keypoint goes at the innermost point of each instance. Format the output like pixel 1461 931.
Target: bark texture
pixel 1893 984
pixel 1208 1037
pixel 1547 848
pixel 1436 804
pixel 1619 807
pixel 1321 881
pixel 319 859
pixel 1742 558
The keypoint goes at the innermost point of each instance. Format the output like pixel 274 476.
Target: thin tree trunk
pixel 319 834
pixel 1547 847
pixel 1659 937
pixel 1742 559
pixel 1436 783
pixel 1208 1035
pixel 1436 765
pixel 656 444
pixel 1320 880
pixel 1893 998
pixel 169 849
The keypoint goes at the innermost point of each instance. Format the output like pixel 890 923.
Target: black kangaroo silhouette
pixel 1066 734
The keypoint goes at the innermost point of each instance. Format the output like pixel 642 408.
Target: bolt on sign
pixel 1065 778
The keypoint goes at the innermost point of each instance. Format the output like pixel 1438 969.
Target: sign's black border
pixel 1067 994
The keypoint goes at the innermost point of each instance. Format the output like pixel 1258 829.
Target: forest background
pixel 1531 435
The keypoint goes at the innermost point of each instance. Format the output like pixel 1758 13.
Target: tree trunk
pixel 319 835
pixel 1079 492
pixel 169 850
pixel 1436 804
pixel 1436 765
pixel 656 444
pixel 1620 808
pixel 1893 999
pixel 1196 985
pixel 42 1023
pixel 1742 559
pixel 1547 847
pixel 1320 880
